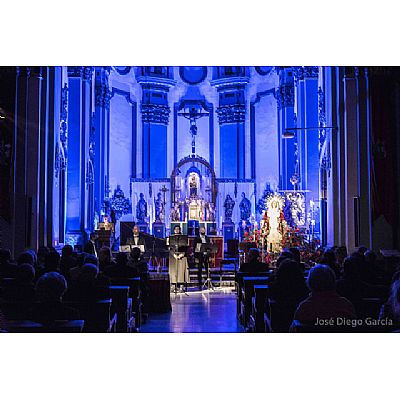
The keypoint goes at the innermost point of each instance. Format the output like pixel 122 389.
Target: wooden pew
pixel 122 307
pixel 246 293
pixel 26 326
pixel 134 294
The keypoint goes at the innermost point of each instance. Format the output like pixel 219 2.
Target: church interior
pixel 286 178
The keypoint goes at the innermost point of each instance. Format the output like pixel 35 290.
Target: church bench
pixel 122 306
pixel 134 294
pixel 258 313
pixel 246 293
pixel 96 314
pixel 27 326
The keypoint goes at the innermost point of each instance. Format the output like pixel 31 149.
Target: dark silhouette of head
pixel 121 259
pixel 26 258
pixel 67 250
pixel 51 287
pixel 135 254
pixel 296 253
pixel 321 278
pixel 254 255
pixel 25 273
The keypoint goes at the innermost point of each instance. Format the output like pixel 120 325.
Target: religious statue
pixel 274 223
pixel 210 212
pixel 228 205
pixel 175 213
pixel 141 209
pixel 245 208
pixel 159 208
pixel 193 186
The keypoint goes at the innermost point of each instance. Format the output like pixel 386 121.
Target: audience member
pixel 22 287
pixel 105 258
pixel 254 264
pixel 50 289
pixel 7 268
pixel 329 258
pixel 324 302
pixel 351 285
pixel 121 269
pixel 88 285
pixel 287 290
pixel 67 261
pixel 391 309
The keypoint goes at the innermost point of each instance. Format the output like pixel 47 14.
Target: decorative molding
pixel 301 73
pixel 321 117
pixel 185 71
pixel 228 82
pixel 103 95
pixel 124 93
pixel 155 113
pixel 231 113
pixel 284 95
pixel 233 180
pixel 141 180
pixel 64 117
pixel 85 73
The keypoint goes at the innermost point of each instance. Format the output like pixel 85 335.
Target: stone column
pixel 79 122
pixel 101 125
pixel 25 221
pixel 284 95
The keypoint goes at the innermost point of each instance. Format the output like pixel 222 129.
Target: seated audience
pixel 287 290
pixel 22 288
pixel 41 257
pixel 324 302
pixel 351 285
pixel 297 257
pixel 7 268
pixel 121 269
pixel 329 258
pixel 67 261
pixel 105 258
pixel 254 264
pixel 137 262
pixel 391 309
pixel 50 289
pixel 51 263
pixel 88 285
pixel 289 284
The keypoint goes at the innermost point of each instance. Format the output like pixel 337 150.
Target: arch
pixel 193 159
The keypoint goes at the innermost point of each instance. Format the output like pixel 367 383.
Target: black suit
pixel 139 241
pixel 201 257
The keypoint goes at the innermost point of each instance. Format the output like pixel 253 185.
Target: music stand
pixel 207 249
pixel 178 245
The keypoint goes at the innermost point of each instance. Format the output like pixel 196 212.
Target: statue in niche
pixel 228 205
pixel 193 185
pixel 141 209
pixel 159 208
pixel 245 208
pixel 175 213
pixel 210 212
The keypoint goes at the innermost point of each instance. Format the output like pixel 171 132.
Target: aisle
pixel 198 312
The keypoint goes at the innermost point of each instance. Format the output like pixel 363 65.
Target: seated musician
pixel 137 239
pixel 106 224
pixel 201 257
pixel 178 265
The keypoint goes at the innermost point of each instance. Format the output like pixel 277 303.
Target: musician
pixel 106 224
pixel 178 265
pixel 200 256
pixel 137 239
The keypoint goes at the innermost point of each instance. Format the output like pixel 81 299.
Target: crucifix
pixel 164 190
pixel 193 113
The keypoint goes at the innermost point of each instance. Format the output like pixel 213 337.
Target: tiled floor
pixel 199 312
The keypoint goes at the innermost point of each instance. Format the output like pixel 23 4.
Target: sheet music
pixel 198 247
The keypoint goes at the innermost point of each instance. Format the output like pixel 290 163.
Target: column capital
pixel 156 113
pixel 301 73
pixel 231 113
pixel 284 95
